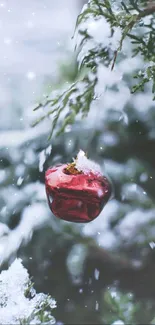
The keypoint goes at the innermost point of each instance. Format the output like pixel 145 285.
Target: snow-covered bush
pixel 19 302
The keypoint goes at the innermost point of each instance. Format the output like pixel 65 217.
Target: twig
pixel 114 59
pixel 149 10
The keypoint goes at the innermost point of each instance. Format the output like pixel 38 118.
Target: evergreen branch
pixel 145 77
pixel 150 9
pixel 79 96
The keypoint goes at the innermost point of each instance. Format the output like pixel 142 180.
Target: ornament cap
pixel 71 169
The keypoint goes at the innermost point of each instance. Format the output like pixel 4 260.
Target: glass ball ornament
pixel 77 192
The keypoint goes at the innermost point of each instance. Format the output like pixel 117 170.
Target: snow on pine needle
pixel 18 300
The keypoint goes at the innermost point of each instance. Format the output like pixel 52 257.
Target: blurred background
pixel 102 272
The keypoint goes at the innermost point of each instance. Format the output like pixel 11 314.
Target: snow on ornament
pixel 78 191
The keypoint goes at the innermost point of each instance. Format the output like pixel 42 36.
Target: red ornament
pixel 76 195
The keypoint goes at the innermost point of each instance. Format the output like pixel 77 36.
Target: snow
pixel 86 165
pixel 42 157
pixel 100 227
pixel 75 261
pixel 152 245
pixel 15 307
pixel 107 97
pixel 96 274
pixel 99 30
pixel 135 222
pixel 143 177
pixel 96 305
pixel 100 33
pixel 17 138
pixel 4 229
pixel 2 176
pixel 15 198
pixel 118 322
pixel 20 180
pixel 33 217
pixel 133 192
pixel 110 139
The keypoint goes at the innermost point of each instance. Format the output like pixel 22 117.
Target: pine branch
pixel 150 9
pixel 78 98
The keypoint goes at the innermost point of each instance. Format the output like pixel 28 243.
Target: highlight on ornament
pixel 77 191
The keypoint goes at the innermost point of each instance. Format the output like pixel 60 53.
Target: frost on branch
pixel 19 303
